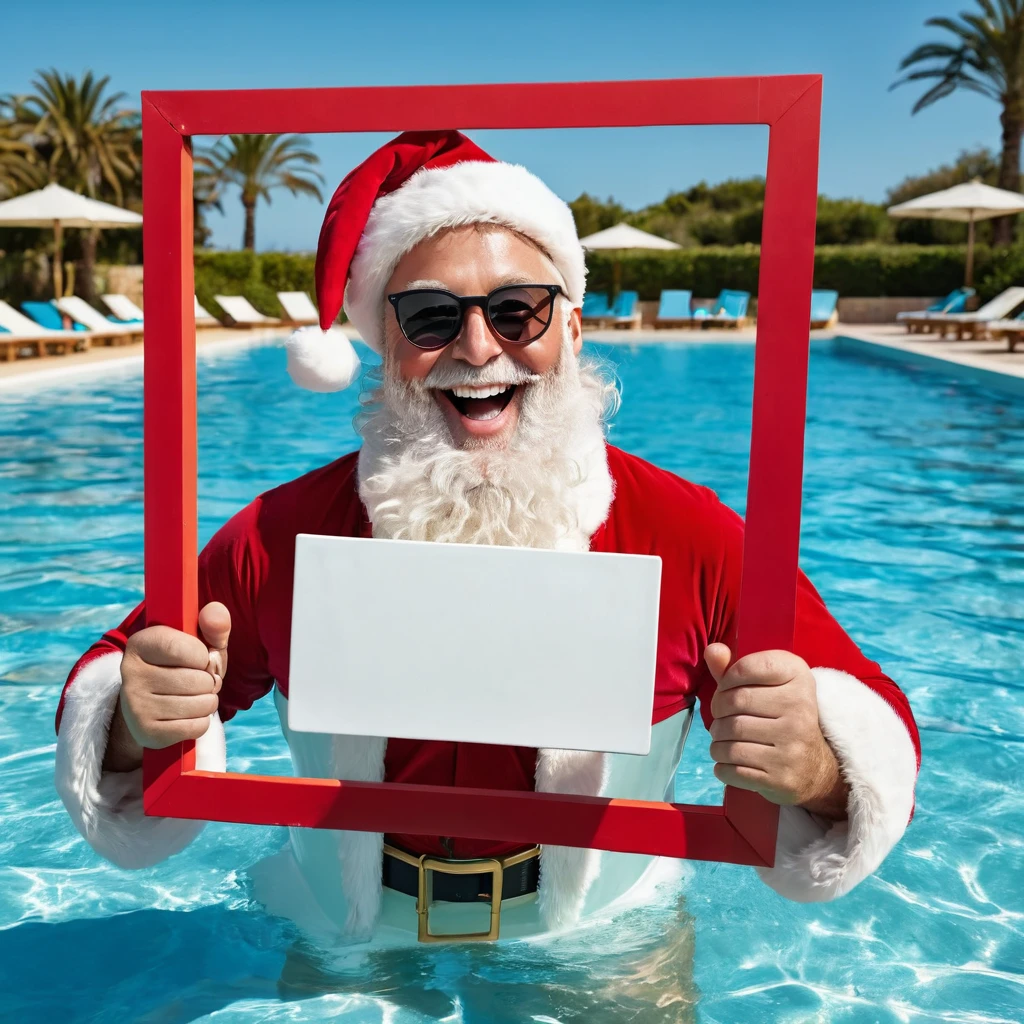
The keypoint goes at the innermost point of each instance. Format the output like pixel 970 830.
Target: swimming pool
pixel 913 531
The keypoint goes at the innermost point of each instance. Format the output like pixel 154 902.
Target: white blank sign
pixel 475 644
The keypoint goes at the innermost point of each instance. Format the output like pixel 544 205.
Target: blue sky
pixel 869 139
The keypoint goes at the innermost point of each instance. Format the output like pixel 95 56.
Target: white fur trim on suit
pixel 361 854
pixel 567 872
pixel 106 807
pixel 321 360
pixel 471 192
pixel 817 860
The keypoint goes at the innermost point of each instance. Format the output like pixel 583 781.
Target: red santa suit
pixel 624 505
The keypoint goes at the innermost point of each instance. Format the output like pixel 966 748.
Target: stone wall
pixel 122 281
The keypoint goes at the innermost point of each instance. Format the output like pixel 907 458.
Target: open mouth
pixel 481 403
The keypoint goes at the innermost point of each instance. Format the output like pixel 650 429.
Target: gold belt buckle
pixel 425 865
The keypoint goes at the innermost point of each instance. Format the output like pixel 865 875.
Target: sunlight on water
pixel 914 533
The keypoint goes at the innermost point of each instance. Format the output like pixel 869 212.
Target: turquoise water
pixel 913 531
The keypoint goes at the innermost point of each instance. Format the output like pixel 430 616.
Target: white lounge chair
pixel 204 318
pixel 298 309
pixel 20 334
pixel 976 324
pixel 242 313
pixel 123 308
pixel 102 329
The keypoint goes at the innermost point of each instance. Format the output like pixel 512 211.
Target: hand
pixel 169 686
pixel 765 733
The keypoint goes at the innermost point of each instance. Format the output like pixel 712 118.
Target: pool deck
pixel 986 362
pixel 36 371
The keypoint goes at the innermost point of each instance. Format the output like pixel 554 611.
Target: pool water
pixel 914 533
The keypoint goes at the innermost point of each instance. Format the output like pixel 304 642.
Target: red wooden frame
pixel 743 829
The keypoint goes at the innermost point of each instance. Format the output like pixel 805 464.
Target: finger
pixel 717 658
pixel 742 777
pixel 174 709
pixel 755 701
pixel 765 668
pixel 749 755
pixel 215 625
pixel 745 728
pixel 166 647
pixel 182 682
pixel 166 733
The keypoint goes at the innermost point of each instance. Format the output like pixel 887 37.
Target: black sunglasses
pixel 431 318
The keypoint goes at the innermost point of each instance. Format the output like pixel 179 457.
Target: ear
pixel 576 329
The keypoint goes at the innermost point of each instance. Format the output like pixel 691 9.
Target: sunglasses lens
pixel 428 319
pixel 519 313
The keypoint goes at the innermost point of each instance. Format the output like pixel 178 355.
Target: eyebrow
pixel 513 278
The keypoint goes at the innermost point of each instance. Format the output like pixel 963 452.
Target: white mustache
pixel 503 370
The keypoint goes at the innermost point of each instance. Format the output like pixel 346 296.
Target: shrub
pixel 852 270
pixel 257 276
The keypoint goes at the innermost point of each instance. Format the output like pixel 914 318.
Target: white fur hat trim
pixel 435 198
pixel 321 360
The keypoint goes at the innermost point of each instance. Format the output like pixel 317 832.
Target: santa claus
pixel 484 425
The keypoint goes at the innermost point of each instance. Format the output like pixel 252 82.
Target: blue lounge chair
pixel 920 319
pixel 46 314
pixel 595 306
pixel 625 311
pixel 674 308
pixel 823 308
pixel 730 309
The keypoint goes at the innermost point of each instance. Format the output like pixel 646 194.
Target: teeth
pixel 488 391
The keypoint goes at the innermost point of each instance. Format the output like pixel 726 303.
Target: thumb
pixel 215 627
pixel 718 657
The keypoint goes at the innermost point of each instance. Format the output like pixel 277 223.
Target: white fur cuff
pixel 816 860
pixel 106 807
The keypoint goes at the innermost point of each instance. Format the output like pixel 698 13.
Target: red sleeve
pixel 231 569
pixel 818 638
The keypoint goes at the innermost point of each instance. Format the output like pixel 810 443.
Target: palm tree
pixel 87 140
pixel 986 55
pixel 21 170
pixel 258 164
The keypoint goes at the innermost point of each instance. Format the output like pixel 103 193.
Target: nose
pixel 475 344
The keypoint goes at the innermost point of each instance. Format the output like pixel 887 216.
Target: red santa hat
pixel 409 189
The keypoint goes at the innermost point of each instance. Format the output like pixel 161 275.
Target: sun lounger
pixel 124 310
pixel 203 317
pixel 823 308
pixel 101 327
pixel 729 310
pixel 625 311
pixel 22 335
pixel 1012 330
pixel 595 308
pixel 674 308
pixel 298 309
pixel 975 325
pixel 242 313
pixel 922 319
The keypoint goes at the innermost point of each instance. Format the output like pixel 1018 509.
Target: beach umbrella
pixel 621 237
pixel 967 203
pixel 59 208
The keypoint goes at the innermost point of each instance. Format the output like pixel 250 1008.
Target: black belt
pixel 519 877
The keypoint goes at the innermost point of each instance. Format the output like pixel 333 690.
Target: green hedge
pixel 257 276
pixel 852 270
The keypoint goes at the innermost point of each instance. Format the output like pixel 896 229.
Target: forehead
pixel 473 260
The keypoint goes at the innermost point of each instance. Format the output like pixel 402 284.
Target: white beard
pixel 549 487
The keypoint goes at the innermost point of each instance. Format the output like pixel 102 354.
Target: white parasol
pixel 972 201
pixel 58 208
pixel 624 236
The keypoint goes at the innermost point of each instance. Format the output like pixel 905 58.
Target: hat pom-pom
pixel 321 360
